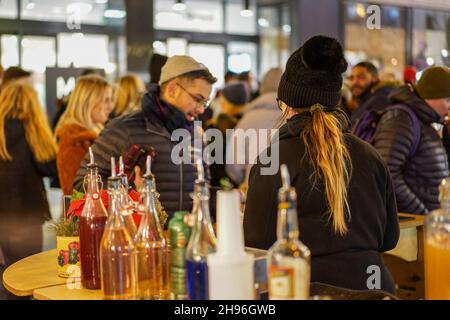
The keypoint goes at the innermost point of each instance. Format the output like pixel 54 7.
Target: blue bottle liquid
pixel 197 275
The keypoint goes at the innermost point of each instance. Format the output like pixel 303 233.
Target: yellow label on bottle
pixel 281 282
pixel 289 280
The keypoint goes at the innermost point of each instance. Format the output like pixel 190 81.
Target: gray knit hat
pixel 179 65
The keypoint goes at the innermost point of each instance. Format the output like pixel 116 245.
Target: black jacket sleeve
pixel 392 229
pixel 113 141
pixel 394 139
pixel 446 140
pixel 260 215
pixel 47 169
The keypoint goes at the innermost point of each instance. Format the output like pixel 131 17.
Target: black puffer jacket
pixel 23 198
pixel 373 227
pixel 417 178
pixel 149 127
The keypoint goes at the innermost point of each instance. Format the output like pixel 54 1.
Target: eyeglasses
pixel 200 101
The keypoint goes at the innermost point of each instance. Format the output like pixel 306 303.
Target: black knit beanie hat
pixel 314 74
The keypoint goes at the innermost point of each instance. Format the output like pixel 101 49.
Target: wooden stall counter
pixel 72 291
pixel 31 273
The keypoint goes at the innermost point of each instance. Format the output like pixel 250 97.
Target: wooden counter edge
pixel 419 221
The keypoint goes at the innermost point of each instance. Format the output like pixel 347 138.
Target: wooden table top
pixel 33 272
pixel 64 292
pixel 419 221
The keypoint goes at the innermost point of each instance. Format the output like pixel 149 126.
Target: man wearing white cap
pixel 181 95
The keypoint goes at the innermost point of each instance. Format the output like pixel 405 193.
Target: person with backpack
pixel 369 92
pixel 410 146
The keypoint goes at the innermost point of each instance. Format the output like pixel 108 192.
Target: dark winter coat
pixel 23 197
pixel 373 228
pixel 416 178
pixel 150 127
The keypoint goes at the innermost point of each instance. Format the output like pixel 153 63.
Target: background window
pixel 242 56
pixel 197 15
pixel 83 50
pixel 8 9
pixel 84 11
pixel 384 47
pixel 431 38
pixel 160 47
pixel 37 54
pixel 213 57
pixel 10 51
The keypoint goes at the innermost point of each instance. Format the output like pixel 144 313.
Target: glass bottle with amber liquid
pixel 153 255
pixel 288 260
pixel 92 225
pixel 117 251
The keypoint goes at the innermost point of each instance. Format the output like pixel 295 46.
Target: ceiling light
pixel 30 5
pixel 179 6
pixel 287 28
pixel 246 12
pixel 115 14
pixel 263 22
pixel 360 10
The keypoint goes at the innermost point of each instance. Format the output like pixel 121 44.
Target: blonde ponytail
pixel 330 158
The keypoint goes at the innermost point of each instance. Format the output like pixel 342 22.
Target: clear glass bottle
pixel 437 248
pixel 117 251
pixel 288 260
pixel 127 207
pixel 152 247
pixel 202 241
pixel 92 225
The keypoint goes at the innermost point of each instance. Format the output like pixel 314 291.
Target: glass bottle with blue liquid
pixel 202 241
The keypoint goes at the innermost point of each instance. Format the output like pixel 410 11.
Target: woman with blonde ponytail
pixel 346 204
pixel 27 154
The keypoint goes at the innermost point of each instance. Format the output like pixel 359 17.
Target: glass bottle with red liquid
pixel 92 225
pixel 117 251
pixel 153 253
